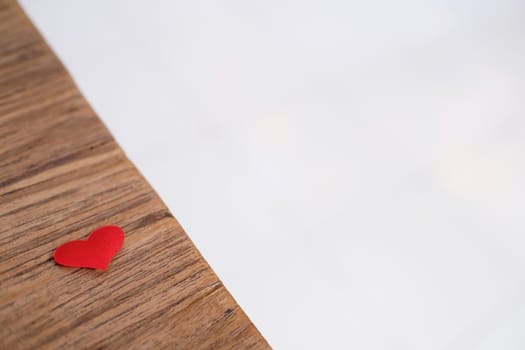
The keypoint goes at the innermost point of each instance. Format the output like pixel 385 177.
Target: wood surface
pixel 61 176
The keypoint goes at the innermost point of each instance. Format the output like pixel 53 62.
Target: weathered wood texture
pixel 61 176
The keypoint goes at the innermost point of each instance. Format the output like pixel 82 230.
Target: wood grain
pixel 61 176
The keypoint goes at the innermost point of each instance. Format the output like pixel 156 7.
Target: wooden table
pixel 61 176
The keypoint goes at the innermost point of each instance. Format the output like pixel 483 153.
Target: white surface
pixel 353 170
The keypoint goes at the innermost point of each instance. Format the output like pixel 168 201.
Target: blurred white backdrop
pixel 354 171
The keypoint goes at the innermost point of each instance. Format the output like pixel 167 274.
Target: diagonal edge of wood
pixel 62 175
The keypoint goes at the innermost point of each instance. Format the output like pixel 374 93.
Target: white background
pixel 354 171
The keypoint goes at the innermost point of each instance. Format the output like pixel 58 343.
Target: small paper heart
pixel 96 252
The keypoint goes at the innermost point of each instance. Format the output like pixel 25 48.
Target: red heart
pixel 95 252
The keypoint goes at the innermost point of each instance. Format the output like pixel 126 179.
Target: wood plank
pixel 61 176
